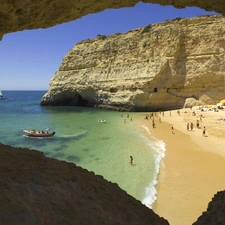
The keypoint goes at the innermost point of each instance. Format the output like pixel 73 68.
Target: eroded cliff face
pixel 158 67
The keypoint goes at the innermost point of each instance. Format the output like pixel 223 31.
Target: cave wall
pixel 17 15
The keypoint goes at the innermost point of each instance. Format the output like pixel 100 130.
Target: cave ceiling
pixel 17 15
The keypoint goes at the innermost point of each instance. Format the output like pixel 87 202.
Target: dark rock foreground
pixel 36 190
pixel 215 214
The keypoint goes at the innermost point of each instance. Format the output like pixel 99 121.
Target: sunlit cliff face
pixel 20 15
pixel 141 71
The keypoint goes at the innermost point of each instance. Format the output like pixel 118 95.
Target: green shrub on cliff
pixel 103 37
pixel 177 19
pixel 146 29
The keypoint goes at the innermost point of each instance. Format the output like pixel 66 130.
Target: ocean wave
pixel 159 148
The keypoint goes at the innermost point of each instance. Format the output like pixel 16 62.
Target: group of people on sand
pixel 152 118
pixel 190 125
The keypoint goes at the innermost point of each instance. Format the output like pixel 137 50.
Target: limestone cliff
pixel 157 67
pixel 36 190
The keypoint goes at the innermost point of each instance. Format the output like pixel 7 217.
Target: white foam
pixel 159 148
pixel 74 135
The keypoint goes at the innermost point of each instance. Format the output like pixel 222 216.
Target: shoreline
pixel 192 171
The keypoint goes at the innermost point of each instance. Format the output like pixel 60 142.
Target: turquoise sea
pixel 104 148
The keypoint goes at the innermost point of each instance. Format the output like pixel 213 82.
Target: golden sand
pixel 193 168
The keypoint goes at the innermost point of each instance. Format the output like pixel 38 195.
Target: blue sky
pixel 29 59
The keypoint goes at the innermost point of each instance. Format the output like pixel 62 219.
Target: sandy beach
pixel 193 168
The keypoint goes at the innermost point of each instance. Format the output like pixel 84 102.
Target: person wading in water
pixel 131 160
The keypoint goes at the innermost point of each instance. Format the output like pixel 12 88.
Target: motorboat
pixel 38 133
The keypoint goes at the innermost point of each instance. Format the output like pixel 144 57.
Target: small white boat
pixel 34 133
pixel 1 96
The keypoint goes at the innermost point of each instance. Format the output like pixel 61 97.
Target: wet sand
pixel 193 168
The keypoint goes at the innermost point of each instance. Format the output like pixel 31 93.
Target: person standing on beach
pixel 153 123
pixel 197 123
pixel 172 129
pixel 131 160
pixel 187 126
pixel 192 126
pixel 204 132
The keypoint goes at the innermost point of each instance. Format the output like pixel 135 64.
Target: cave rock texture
pixel 38 190
pixel 17 15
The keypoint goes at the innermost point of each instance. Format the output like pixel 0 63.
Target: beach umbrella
pixel 222 102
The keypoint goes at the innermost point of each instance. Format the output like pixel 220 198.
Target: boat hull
pixel 32 133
